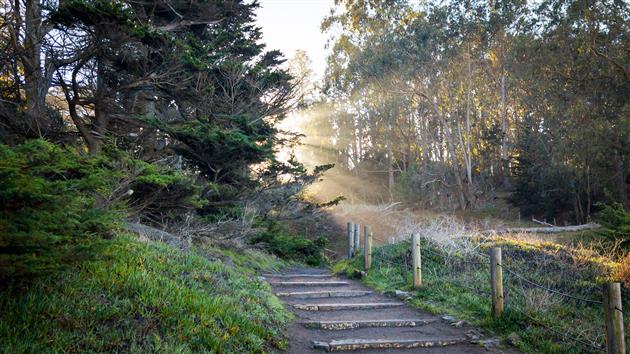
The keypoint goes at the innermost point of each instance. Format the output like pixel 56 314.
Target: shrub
pixel 615 220
pixel 57 205
pixel 622 272
pixel 48 217
pixel 160 193
pixel 292 247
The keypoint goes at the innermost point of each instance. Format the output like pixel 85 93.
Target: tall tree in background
pixel 438 93
pixel 299 66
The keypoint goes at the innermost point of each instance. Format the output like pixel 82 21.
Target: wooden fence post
pixel 350 240
pixel 367 249
pixel 417 261
pixel 357 238
pixel 496 277
pixel 615 342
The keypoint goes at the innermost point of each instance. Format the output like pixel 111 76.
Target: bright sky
pixel 289 25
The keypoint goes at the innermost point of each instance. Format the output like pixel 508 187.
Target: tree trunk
pixel 390 161
pixel 101 116
pixel 467 140
pixel 35 83
pixel 504 156
pixel 451 151
pixel 622 191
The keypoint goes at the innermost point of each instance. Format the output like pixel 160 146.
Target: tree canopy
pixel 460 101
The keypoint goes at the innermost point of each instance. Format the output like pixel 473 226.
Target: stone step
pixel 310 283
pixel 342 325
pixel 322 294
pixel 355 306
pixel 358 344
pixel 271 275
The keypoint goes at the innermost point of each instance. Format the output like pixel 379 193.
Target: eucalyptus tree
pixel 572 71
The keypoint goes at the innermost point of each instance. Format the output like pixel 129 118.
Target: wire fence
pixel 562 308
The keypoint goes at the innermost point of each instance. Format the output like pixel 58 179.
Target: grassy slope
pixel 460 287
pixel 147 297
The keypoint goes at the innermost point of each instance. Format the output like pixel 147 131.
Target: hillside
pixel 145 296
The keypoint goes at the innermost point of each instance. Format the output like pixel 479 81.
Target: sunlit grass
pixel 459 285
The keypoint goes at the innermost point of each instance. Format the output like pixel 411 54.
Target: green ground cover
pixel 146 297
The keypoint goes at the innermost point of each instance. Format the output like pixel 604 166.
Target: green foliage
pixel 57 204
pixel 292 247
pixel 49 216
pixel 616 221
pixel 405 189
pixel 323 168
pixel 539 190
pixel 145 298
pixel 161 192
pixel 69 12
pixel 221 147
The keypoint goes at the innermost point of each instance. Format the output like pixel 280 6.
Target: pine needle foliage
pixel 48 217
pixel 58 205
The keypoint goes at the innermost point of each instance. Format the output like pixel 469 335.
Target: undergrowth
pixel 459 285
pixel 58 205
pixel 616 223
pixel 145 298
pixel 70 283
pixel 291 247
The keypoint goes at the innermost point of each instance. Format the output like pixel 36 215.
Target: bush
pixel 615 220
pixel 292 247
pixel 160 193
pixel 622 272
pixel 48 217
pixel 57 205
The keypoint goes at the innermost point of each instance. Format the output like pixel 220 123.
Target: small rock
pixel 403 295
pixel 459 323
pixel 448 318
pixel 474 335
pixel 489 343
pixel 473 338
pixel 513 339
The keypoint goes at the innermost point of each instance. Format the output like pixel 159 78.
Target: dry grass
pixel 536 299
pixel 447 233
pixel 622 271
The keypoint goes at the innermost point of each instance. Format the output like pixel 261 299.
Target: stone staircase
pixel 335 314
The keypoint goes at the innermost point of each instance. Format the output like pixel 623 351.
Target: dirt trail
pixel 334 314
